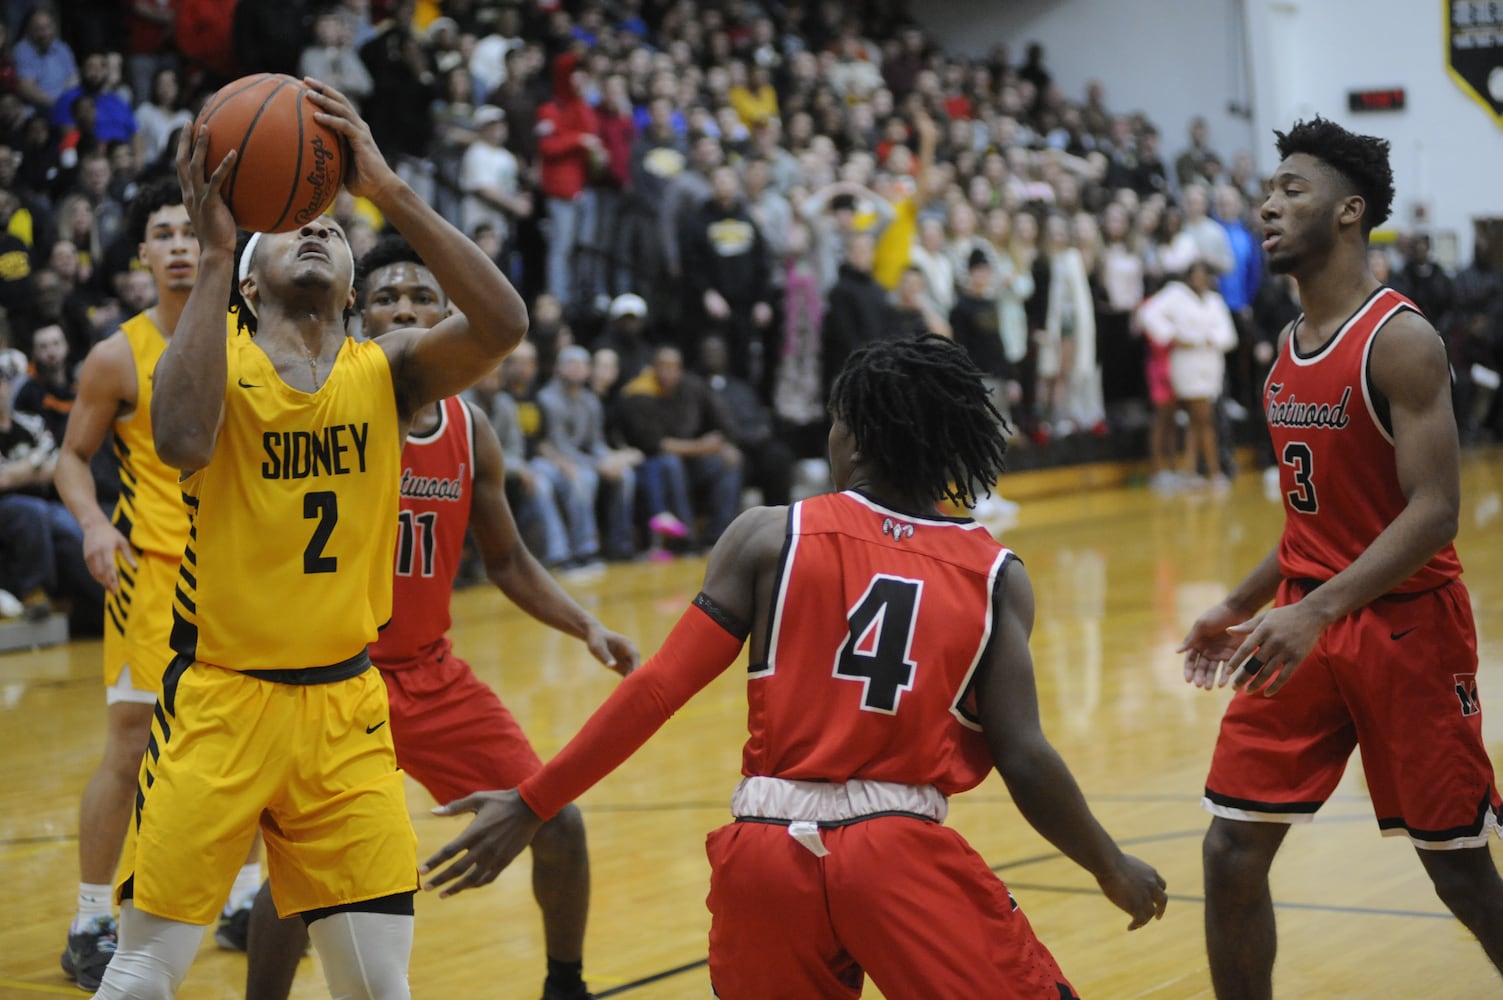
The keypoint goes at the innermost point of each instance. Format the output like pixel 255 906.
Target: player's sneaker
pixel 233 932
pixel 554 993
pixel 89 952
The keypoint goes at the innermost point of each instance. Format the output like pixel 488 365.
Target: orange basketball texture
pixel 290 167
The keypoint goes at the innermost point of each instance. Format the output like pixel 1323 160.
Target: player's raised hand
pixel 1208 646
pixel 613 649
pixel 1137 889
pixel 367 173
pixel 503 826
pixel 203 193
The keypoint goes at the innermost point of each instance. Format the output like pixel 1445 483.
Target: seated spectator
pixel 769 461
pixel 625 335
pixel 158 116
pixel 575 418
pixel 674 420
pixel 15 259
pixel 113 119
pixel 49 389
pixel 41 543
pixel 567 500
pixel 45 66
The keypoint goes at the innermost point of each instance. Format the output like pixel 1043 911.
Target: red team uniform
pixel 860 728
pixel 1398 677
pixel 451 731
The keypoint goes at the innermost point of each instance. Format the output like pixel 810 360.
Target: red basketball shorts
pixel 452 733
pixel 1397 678
pixel 903 900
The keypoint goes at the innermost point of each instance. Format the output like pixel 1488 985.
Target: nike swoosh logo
pixel 1400 635
pixel 372 729
pixel 247 385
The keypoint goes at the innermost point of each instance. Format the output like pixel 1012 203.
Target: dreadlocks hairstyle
pixel 390 249
pixel 159 194
pixel 245 317
pixel 1361 159
pixel 921 414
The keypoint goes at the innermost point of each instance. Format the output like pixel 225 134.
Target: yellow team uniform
pixel 151 516
pixel 271 712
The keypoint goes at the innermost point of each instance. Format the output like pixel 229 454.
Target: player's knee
pixel 1234 855
pixel 562 836
pixel 137 976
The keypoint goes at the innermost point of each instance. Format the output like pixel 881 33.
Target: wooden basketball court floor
pixel 1120 574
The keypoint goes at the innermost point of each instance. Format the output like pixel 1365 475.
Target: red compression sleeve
pixel 698 650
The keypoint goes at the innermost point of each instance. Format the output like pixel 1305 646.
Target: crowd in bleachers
pixel 707 207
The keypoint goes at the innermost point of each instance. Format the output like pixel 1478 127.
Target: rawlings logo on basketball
pixel 897 529
pixel 319 180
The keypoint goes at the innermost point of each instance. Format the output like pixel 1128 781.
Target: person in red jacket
pixel 570 152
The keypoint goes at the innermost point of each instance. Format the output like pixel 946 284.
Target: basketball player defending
pixel 290 442
pixel 135 555
pixel 889 670
pixel 1370 641
pixel 451 731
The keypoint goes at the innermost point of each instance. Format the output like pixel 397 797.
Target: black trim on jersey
pixel 126 493
pixel 303 676
pixel 114 618
pixel 170 677
pixel 932 518
pixel 161 716
pixel 125 576
pixel 188 577
pixel 186 601
pixel 434 433
pixel 184 636
pixel 123 523
pixel 1379 401
pixel 1294 331
pixel 965 695
pixel 761 666
pixel 834 824
pixel 720 616
pixel 1253 805
pixel 1474 829
pixel 398 904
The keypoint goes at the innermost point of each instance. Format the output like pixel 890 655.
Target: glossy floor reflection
pixel 1119 576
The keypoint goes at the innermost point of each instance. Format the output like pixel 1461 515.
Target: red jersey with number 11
pixel 1334 442
pixel 438 480
pixel 879 621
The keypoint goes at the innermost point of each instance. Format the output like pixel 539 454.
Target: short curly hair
pixel 1361 159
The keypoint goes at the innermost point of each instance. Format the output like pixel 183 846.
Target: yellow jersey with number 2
pixel 294 520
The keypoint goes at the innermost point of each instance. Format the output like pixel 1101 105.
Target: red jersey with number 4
pixel 878 623
pixel 1334 441
pixel 438 479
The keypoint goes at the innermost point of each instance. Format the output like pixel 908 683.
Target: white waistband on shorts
pixel 826 803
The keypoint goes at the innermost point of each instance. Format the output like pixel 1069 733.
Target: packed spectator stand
pixel 707 206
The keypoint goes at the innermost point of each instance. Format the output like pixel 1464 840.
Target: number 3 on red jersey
pixel 1298 457
pixel 878 652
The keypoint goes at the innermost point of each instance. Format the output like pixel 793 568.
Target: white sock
pixel 94 900
pixel 247 884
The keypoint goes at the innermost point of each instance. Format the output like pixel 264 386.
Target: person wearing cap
pixel 490 177
pixel 626 334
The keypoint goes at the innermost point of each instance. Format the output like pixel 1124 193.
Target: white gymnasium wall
pixel 1175 59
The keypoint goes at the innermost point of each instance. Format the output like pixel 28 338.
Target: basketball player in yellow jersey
pixel 134 554
pixel 289 437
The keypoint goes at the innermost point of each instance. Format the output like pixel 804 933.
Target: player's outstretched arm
pixel 187 400
pixel 101 388
pixel 1041 785
pixel 517 572
pixel 490 318
pixel 704 643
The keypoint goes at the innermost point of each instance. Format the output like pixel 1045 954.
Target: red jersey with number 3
pixel 438 480
pixel 1333 438
pixel 878 624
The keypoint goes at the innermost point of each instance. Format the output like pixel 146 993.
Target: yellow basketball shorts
pixel 137 627
pixel 312 763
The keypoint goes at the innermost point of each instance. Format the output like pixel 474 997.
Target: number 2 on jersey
pixel 878 651
pixel 1297 456
pixel 323 505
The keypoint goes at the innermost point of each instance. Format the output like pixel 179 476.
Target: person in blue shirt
pixel 113 119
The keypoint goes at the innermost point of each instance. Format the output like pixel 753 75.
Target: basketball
pixel 289 167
